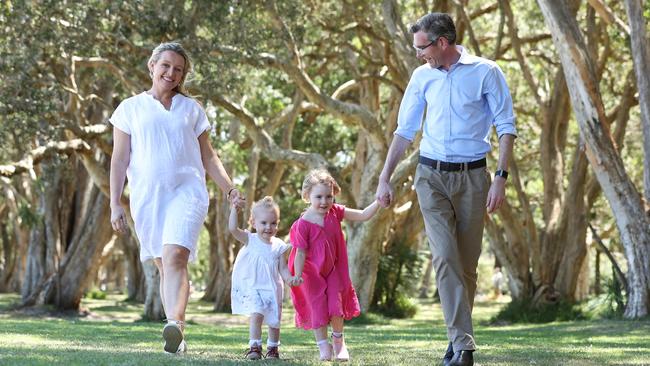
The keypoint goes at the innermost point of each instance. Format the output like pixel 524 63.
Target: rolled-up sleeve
pixel 409 119
pixel 500 102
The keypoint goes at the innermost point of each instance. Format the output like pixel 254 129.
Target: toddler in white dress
pixel 258 274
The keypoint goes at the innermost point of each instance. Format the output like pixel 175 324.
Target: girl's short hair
pixel 177 48
pixel 266 203
pixel 318 176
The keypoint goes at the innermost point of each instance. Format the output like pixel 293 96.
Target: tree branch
pixel 265 142
pixel 608 15
pixel 514 39
pixel 603 249
pixel 43 152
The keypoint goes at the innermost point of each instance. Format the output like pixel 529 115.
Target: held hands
pixel 118 219
pixel 295 281
pixel 236 199
pixel 496 194
pixel 384 194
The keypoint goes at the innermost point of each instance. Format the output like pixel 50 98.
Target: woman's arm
pixel 217 172
pixel 359 215
pixel 119 163
pixel 238 233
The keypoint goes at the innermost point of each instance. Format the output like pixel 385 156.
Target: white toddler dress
pixel 166 177
pixel 257 286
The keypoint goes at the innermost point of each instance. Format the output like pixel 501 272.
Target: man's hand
pixel 496 194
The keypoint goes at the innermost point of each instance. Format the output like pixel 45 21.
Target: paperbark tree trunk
pixel 135 277
pixel 153 308
pixel 605 161
pixel 641 56
pixel 65 246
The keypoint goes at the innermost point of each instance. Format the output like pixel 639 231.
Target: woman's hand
pixel 118 219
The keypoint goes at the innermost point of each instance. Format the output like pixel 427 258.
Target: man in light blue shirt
pixel 462 96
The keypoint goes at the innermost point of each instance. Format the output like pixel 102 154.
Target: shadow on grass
pixel 372 339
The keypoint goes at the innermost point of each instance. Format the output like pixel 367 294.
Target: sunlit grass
pixel 112 334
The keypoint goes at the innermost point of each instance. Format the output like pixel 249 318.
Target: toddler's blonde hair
pixel 266 203
pixel 318 176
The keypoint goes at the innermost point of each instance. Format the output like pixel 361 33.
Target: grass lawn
pixel 112 335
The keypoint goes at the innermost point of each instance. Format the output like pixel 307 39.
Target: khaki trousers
pixel 453 208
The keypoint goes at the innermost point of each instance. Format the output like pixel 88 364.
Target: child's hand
pixel 295 281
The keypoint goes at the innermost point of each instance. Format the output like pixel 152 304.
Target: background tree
pixel 292 85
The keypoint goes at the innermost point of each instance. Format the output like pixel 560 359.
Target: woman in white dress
pixel 161 144
pixel 258 274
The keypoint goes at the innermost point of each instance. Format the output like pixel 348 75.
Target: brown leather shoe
pixel 462 358
pixel 449 354
pixel 272 353
pixel 254 353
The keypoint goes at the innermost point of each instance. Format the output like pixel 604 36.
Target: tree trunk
pixel 44 241
pixel 606 163
pixel 641 56
pixel 423 293
pixel 136 284
pixel 153 308
pixel 511 248
pixel 222 255
pixel 13 245
pixel 66 245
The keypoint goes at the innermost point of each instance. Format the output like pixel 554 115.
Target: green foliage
pixel 199 269
pixel 96 294
pixel 27 216
pixel 526 312
pixel 398 273
pixel 610 304
pixel 368 318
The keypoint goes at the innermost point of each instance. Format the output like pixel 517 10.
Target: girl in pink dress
pixel 322 292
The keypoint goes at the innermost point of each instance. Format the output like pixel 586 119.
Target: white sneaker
pixel 182 348
pixel 173 336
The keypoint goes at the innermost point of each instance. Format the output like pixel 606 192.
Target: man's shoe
pixel 462 358
pixel 446 360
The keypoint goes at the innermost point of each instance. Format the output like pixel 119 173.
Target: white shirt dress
pixel 166 177
pixel 257 286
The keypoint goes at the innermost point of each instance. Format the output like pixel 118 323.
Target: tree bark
pixel 606 163
pixel 641 57
pixel 153 308
pixel 136 282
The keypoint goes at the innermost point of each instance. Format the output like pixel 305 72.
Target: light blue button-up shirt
pixel 461 106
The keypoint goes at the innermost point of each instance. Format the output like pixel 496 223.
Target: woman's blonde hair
pixel 266 203
pixel 175 47
pixel 318 176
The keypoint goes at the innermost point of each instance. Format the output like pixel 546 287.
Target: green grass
pixel 111 334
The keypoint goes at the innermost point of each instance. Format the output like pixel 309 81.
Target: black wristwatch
pixel 501 173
